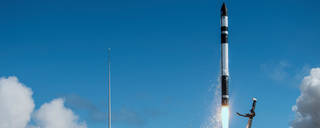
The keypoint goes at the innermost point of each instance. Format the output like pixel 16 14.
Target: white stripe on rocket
pixel 224 21
pixel 225 96
pixel 225 59
pixel 224 32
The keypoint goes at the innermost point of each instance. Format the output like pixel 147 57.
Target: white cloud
pixel 17 106
pixel 16 103
pixel 56 115
pixel 308 103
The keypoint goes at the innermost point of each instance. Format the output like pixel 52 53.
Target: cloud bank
pixel 56 115
pixel 17 107
pixel 308 103
pixel 16 103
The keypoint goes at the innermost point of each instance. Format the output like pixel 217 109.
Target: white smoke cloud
pixel 16 103
pixel 56 115
pixel 17 106
pixel 307 106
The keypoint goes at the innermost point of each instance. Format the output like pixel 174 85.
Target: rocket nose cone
pixel 223 9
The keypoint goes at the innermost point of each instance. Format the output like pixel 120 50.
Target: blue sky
pixel 165 57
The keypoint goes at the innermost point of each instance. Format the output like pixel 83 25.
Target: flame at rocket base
pixel 225 114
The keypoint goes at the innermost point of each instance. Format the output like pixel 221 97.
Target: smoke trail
pixel 214 120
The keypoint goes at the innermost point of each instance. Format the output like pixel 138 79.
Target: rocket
pixel 224 56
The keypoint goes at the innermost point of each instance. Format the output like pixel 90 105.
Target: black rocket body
pixel 224 56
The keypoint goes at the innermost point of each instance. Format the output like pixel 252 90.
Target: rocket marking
pixel 225 59
pixel 224 21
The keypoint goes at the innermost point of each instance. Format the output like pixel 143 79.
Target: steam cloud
pixel 214 120
pixel 17 106
pixel 308 103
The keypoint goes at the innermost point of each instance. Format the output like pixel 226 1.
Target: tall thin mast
pixel 109 88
